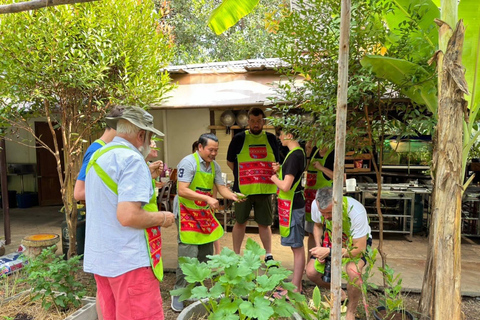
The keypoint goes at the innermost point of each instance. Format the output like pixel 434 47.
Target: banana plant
pixel 228 13
pixel 400 71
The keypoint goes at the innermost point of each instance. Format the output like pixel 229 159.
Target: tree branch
pixel 36 4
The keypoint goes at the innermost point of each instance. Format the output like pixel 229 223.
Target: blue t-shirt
pixel 86 158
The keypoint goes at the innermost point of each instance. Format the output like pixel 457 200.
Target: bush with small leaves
pixel 52 280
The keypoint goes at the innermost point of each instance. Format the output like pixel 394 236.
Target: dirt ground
pixel 470 306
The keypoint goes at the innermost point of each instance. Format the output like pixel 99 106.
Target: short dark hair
pixel 256 112
pixel 116 111
pixel 203 140
pixel 194 146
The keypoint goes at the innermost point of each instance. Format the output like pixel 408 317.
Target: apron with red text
pixel 315 181
pixel 153 235
pixel 255 165
pixel 285 202
pixel 198 224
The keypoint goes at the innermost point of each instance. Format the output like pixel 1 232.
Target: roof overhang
pixel 235 84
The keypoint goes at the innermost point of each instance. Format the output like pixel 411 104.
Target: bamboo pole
pixel 339 165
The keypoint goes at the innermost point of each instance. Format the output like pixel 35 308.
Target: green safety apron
pixel 198 224
pixel 327 234
pixel 315 181
pixel 255 165
pixel 285 202
pixel 153 235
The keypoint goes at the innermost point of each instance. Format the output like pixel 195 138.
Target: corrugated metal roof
pixel 240 66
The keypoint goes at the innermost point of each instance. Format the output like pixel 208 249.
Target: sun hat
pixel 136 116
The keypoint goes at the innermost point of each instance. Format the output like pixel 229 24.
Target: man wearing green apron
pixel 119 190
pixel 356 237
pixel 319 175
pixel 291 204
pixel 250 156
pixel 198 228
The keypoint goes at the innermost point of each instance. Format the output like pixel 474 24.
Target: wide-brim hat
pixel 136 116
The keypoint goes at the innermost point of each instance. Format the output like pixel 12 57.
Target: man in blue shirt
pixel 107 136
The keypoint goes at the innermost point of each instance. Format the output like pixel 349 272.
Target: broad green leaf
pixel 200 292
pixel 228 13
pixel 284 309
pixel 254 247
pixel 227 309
pixel 260 308
pixel 468 10
pixel 426 37
pixel 194 270
pixel 265 283
pixel 400 72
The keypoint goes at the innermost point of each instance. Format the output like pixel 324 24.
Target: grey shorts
pixel 297 231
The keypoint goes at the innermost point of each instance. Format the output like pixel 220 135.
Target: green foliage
pixel 52 280
pixel 308 41
pixel 102 51
pixel 423 91
pixel 196 43
pixel 318 309
pixel 236 287
pixel 68 64
pixel 410 23
pixel 392 299
pixel 229 13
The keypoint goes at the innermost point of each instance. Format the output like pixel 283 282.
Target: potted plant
pixel 231 286
pixel 391 304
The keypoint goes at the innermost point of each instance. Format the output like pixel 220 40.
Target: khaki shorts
pixel 262 208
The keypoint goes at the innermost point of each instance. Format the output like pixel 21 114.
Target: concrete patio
pixel 407 258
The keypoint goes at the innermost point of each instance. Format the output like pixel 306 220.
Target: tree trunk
pixel 441 296
pixel 339 164
pixel 35 4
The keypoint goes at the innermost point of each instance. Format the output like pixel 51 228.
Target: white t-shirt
pixel 358 218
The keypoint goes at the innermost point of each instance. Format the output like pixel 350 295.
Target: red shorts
pixel 133 295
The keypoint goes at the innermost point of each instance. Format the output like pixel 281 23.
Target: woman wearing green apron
pixel 291 203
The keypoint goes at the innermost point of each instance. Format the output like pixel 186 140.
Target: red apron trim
pixel 198 220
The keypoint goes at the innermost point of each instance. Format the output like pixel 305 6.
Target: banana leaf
pixel 400 72
pixel 469 11
pixel 228 13
pixel 425 39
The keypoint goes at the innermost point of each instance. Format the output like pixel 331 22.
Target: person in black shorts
pixel 291 204
pixel 251 154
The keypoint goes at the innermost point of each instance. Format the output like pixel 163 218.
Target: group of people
pixel 123 226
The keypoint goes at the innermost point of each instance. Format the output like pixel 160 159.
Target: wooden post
pixel 5 204
pixel 339 166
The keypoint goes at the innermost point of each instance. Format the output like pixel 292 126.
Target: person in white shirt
pixel 356 237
